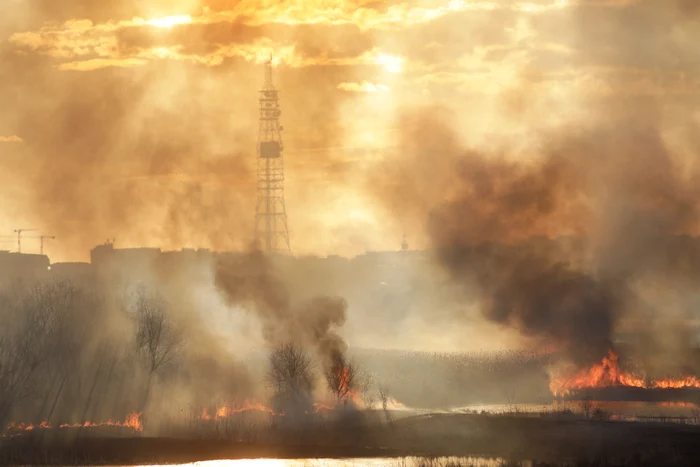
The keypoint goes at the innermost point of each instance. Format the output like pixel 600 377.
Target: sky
pixel 136 120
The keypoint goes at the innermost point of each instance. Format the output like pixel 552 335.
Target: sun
pixel 167 22
pixel 391 63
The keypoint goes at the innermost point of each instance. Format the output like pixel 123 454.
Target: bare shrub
pixel 290 374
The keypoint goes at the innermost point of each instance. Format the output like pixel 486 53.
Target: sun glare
pixel 391 63
pixel 359 215
pixel 167 22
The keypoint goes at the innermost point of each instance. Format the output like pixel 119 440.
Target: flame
pixel 132 421
pixel 344 381
pixel 318 406
pixel 344 387
pixel 607 373
pixel 688 382
pixel 226 410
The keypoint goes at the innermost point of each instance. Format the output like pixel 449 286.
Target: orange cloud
pixel 98 44
pixel 11 139
pixel 97 63
pixel 363 87
pixel 168 22
pixel 87 47
pixel 183 90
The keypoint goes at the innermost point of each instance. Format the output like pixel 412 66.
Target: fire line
pixel 608 374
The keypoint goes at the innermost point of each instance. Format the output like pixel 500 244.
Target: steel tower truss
pixel 271 230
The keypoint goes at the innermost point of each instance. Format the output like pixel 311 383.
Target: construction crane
pixel 19 237
pixel 41 239
pixel 45 237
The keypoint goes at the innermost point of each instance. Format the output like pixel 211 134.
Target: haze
pixel 136 120
pixel 454 123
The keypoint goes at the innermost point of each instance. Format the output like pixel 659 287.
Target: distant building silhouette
pixel 15 266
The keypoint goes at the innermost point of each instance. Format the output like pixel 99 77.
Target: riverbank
pixel 548 438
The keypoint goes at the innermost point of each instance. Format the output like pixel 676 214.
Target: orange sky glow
pixel 136 120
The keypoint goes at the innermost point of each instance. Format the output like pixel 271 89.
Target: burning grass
pixel 228 410
pixel 609 374
pixel 132 421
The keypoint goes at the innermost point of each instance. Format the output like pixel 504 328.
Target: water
pixel 371 462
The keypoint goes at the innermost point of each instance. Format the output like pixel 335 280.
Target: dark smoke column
pixel 271 233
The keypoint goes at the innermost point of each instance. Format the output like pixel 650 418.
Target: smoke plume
pixel 250 281
pixel 557 239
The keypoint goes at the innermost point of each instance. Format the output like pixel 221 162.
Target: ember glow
pixel 132 421
pixel 608 374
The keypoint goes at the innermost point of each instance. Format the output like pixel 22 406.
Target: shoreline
pixel 545 439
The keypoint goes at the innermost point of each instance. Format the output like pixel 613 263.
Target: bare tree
pixel 290 375
pixel 383 393
pixel 58 361
pixel 158 339
pixel 365 382
pixel 26 343
pixel 19 367
pixel 48 336
pixel 341 377
pixel 62 368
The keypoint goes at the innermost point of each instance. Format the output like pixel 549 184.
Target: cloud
pixel 11 139
pixel 168 22
pixel 97 63
pixel 213 35
pixel 137 97
pixel 84 46
pixel 363 87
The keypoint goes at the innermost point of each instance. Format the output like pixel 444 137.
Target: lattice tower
pixel 271 230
